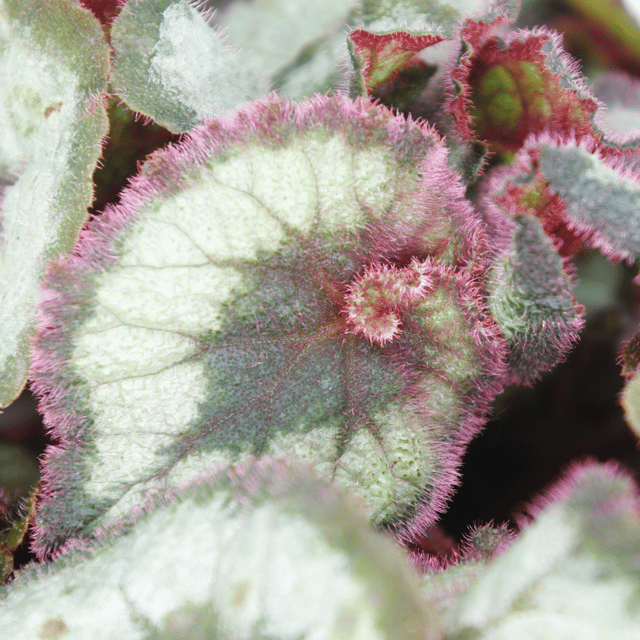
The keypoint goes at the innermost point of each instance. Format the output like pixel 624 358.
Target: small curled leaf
pixel 531 286
pixel 507 85
pixel 388 66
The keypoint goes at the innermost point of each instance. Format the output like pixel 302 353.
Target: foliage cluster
pixel 262 363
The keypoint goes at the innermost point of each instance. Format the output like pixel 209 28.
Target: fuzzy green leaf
pixel 53 72
pixel 630 401
pixel 531 299
pixel 266 553
pixel 601 196
pixel 423 16
pixel 573 573
pixel 242 301
pixel 300 45
pixel 171 65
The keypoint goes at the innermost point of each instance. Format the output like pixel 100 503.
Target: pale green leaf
pixel 172 65
pixel 572 573
pixel 300 45
pixel 264 553
pixel 53 68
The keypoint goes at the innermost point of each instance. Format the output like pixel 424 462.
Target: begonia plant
pixel 261 364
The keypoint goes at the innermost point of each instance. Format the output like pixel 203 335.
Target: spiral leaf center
pixel 377 299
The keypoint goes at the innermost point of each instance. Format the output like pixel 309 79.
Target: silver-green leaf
pixel 293 281
pixel 172 65
pixel 267 552
pixel 53 75
pixel 300 46
pixel 573 573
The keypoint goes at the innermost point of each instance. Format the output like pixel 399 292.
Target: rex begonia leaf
pixel 530 295
pixel 425 15
pixel 600 193
pixel 53 72
pixel 388 67
pixel 629 358
pixel 509 84
pixel 299 45
pixel 296 280
pixel 620 120
pixel 572 573
pixel 267 552
pixel 171 65
pixel 583 191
